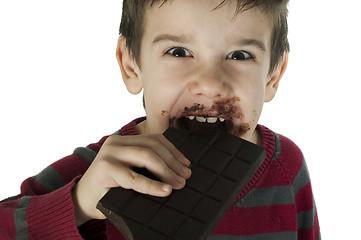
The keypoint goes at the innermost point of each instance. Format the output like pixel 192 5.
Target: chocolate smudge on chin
pixel 240 130
pixel 164 112
pixel 172 122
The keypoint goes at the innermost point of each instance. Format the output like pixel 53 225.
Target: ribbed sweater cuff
pixel 52 216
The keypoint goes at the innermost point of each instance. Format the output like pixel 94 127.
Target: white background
pixel 60 88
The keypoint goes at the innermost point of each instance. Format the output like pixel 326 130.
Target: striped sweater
pixel 277 203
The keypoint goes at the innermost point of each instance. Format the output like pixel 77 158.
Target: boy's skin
pixel 172 79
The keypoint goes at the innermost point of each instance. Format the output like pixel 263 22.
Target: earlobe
pixel 275 78
pixel 128 67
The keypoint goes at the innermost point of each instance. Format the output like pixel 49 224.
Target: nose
pixel 210 83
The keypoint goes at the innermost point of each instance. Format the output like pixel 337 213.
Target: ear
pixel 128 67
pixel 275 77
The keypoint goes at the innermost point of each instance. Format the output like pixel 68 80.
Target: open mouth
pixel 220 115
pixel 196 122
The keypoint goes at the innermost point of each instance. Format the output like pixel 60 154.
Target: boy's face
pixel 196 62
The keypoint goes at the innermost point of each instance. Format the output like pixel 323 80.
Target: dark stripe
pixel 267 197
pixel 266 236
pixel 87 153
pixel 277 147
pixel 302 178
pixel 50 179
pixel 10 199
pixel 117 132
pixel 306 219
pixel 20 219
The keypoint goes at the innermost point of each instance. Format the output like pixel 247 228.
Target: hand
pixel 112 167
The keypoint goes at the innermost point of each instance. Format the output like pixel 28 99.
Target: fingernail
pixel 187 162
pixel 166 188
pixel 185 171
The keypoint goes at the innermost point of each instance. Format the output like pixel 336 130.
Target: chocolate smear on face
pixel 164 112
pixel 194 109
pixel 226 109
pixel 240 130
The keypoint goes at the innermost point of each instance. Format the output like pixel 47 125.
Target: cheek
pixel 251 93
pixel 160 95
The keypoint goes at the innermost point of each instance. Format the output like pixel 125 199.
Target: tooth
pixel 191 117
pixel 201 119
pixel 221 119
pixel 211 120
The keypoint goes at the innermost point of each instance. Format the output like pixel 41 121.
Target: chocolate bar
pixel 221 164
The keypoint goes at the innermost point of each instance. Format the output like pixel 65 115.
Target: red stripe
pixel 258 220
pixel 289 150
pixel 304 198
pixel 51 216
pixel 96 146
pixel 31 187
pixel 8 229
pixel 79 166
pixel 274 176
pixel 130 128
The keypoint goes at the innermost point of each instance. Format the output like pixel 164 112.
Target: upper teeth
pixel 205 119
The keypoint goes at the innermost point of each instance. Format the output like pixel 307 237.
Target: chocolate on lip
pixel 220 115
pixel 221 109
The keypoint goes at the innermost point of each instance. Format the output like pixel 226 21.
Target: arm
pixel 44 209
pixel 52 204
pixel 293 162
pixel 307 219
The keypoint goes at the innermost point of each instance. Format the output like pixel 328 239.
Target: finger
pixel 171 156
pixel 166 151
pixel 143 157
pixel 173 150
pixel 163 148
pixel 149 141
pixel 128 179
pixel 176 153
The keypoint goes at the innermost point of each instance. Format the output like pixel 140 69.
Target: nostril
pixel 210 88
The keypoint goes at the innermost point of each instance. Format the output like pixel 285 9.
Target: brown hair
pixel 131 26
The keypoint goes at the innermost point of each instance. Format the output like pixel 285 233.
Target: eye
pixel 179 52
pixel 239 55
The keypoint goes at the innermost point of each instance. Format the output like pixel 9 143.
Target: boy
pixel 200 63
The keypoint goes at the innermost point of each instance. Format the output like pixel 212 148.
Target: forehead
pixel 202 18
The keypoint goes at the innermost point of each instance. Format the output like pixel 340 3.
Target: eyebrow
pixel 169 37
pixel 253 42
pixel 182 39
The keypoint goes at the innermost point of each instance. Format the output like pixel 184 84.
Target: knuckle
pixel 146 153
pixel 173 161
pixel 139 183
pixel 166 170
pixel 132 180
pixel 153 142
pixel 111 139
